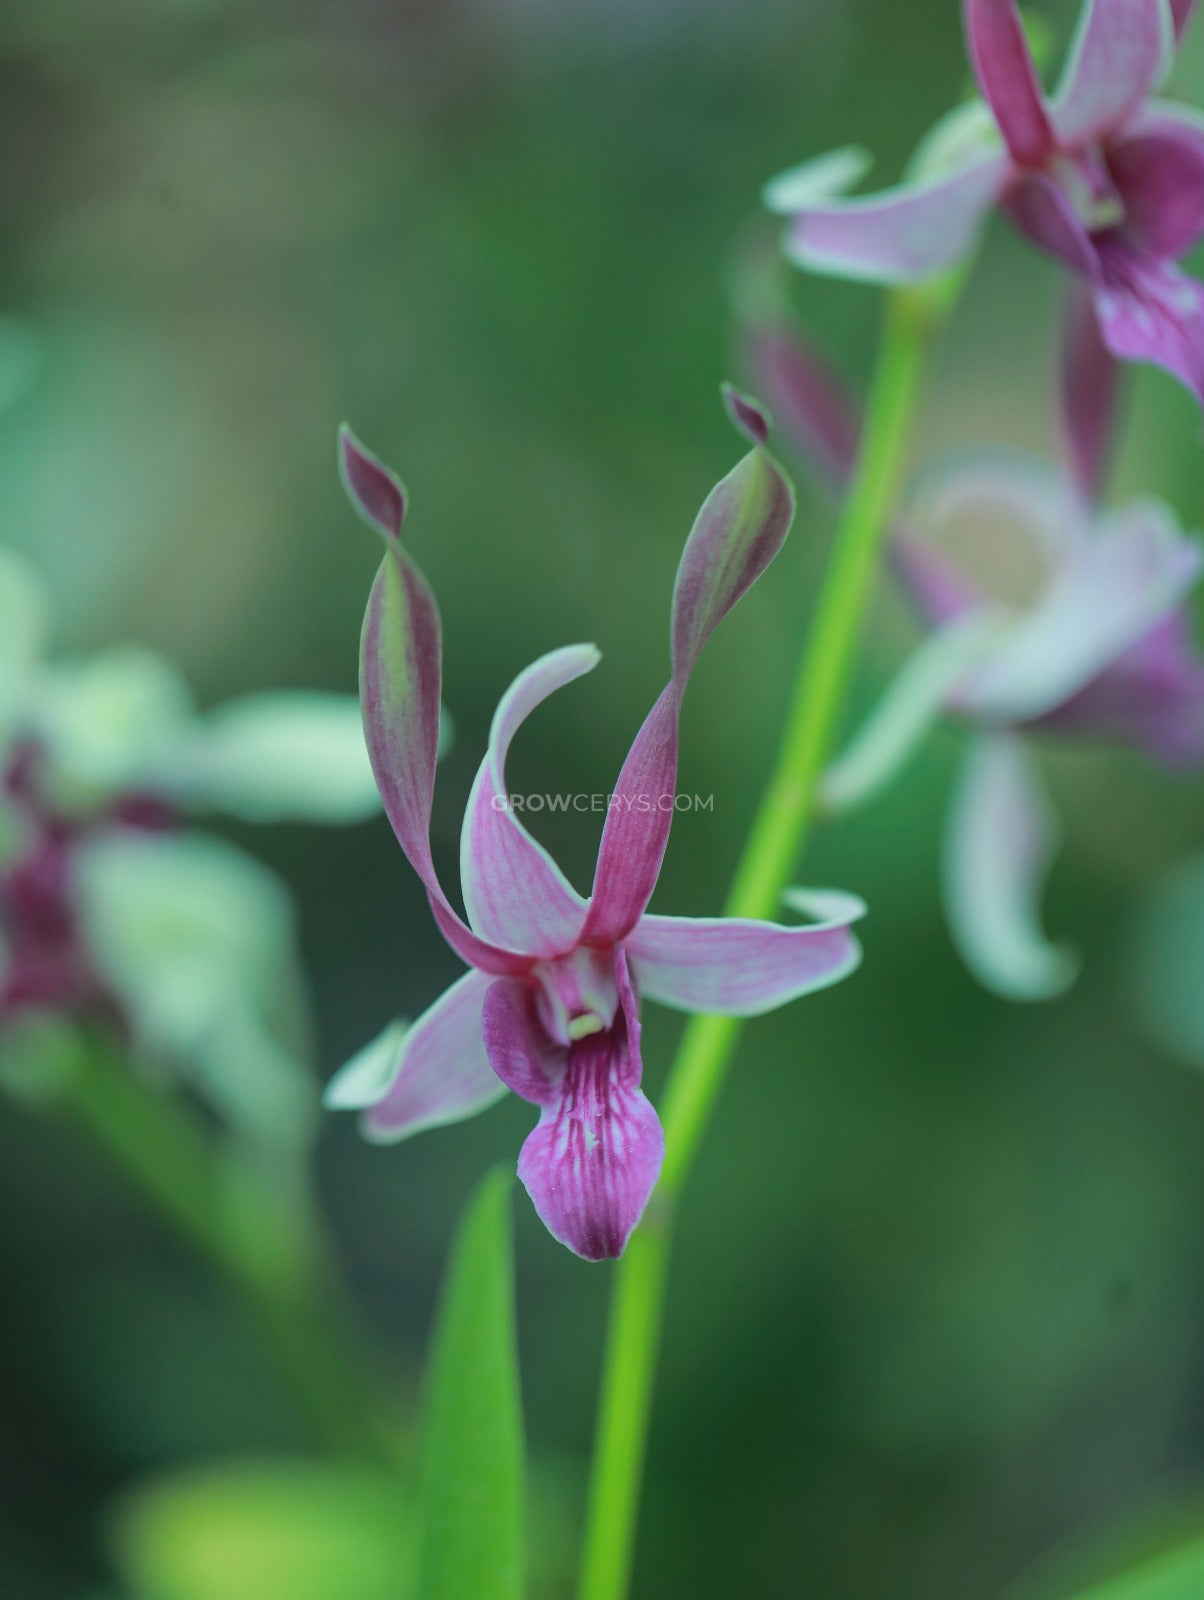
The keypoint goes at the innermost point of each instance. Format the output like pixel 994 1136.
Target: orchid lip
pixel 1083 179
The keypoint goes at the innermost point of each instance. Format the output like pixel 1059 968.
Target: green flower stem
pixel 253 1230
pixel 775 843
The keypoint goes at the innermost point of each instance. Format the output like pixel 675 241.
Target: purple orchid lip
pixel 1099 175
pixel 550 1008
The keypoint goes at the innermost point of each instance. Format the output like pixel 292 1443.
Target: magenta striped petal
pixel 1004 68
pixel 1089 385
pixel 903 234
pixel 400 673
pixel 440 1074
pixel 1150 311
pixel 1157 165
pixel 739 530
pixel 595 1155
pixel 739 968
pixel 1121 51
pixel 515 894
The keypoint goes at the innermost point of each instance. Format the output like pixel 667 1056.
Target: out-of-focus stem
pixel 253 1233
pixel 778 834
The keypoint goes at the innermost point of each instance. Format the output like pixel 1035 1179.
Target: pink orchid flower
pixel 550 1005
pixel 1100 647
pixel 1105 179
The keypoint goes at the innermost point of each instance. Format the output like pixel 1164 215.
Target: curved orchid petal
pixel 434 1072
pixel 1149 311
pixel 1000 841
pixel 739 530
pixel 1157 165
pixel 1089 384
pixel 1040 209
pixel 400 672
pixel 730 966
pixel 819 179
pixel 1003 65
pixel 1181 11
pixel 910 707
pixel 1033 495
pixel 901 235
pixel 1121 51
pixel 595 1155
pixel 1118 585
pixel 514 892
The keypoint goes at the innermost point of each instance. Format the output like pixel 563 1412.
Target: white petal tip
pixel 365 1079
pixel 820 179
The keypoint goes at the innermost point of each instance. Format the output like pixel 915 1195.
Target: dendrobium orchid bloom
pixel 550 1006
pixel 1105 179
pixel 1100 649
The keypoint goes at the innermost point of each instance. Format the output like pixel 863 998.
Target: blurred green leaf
pixel 290 754
pixel 254 1531
pixel 1173 1575
pixel 472 1486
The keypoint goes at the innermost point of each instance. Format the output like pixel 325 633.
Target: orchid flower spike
pixel 550 1005
pixel 1105 179
pixel 1099 648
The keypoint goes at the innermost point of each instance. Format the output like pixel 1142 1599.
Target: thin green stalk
pixel 254 1234
pixel 774 845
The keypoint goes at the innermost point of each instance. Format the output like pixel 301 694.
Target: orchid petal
pixel 1001 838
pixel 807 399
pixel 1152 696
pixel 400 672
pixel 514 892
pixel 1181 11
pixel 818 179
pixel 737 533
pixel 593 1158
pixel 1149 311
pixel 365 1079
pixel 903 234
pixel 439 1071
pixel 1089 384
pixel 1157 165
pixel 1004 68
pixel 1034 496
pixel 908 710
pixel 1122 50
pixel 733 967
pixel 935 586
pixel 279 756
pixel 1040 209
pixel 1134 569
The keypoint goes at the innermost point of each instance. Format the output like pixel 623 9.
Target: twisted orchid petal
pixel 739 530
pixel 1003 65
pixel 400 672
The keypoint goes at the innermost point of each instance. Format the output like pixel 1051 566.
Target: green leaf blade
pixel 472 1490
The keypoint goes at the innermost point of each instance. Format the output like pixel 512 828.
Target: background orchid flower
pixel 1107 180
pixel 550 1005
pixel 112 910
pixel 1100 648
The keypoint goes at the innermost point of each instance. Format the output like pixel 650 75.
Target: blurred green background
pixel 938 1301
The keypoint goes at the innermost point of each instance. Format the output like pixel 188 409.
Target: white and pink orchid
pixel 550 1005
